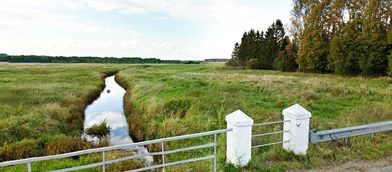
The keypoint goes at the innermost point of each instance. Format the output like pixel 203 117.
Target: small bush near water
pixel 100 131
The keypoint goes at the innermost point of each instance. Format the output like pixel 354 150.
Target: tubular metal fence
pixel 163 153
pixel 105 162
pixel 270 133
pixel 295 131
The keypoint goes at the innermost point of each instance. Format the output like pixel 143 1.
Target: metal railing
pixel 105 162
pixel 270 133
pixel 344 133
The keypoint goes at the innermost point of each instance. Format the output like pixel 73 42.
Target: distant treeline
pixel 216 60
pixel 339 36
pixel 74 59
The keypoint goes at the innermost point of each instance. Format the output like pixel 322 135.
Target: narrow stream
pixel 109 107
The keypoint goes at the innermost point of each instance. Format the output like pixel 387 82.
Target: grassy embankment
pixel 41 111
pixel 170 100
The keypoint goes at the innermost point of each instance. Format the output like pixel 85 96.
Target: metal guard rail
pixel 342 133
pixel 102 150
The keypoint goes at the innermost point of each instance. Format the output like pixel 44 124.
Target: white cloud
pixel 106 5
pixel 28 30
pixel 54 27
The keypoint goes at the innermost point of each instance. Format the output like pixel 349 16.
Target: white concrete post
pixel 239 141
pixel 298 127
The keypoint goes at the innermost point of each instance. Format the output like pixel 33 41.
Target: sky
pixel 165 29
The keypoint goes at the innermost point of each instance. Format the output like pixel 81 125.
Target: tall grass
pixel 41 111
pixel 42 106
pixel 169 100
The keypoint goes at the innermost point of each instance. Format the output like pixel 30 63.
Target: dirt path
pixel 382 165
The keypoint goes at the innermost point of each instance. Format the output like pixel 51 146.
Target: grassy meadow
pixel 41 110
pixel 170 100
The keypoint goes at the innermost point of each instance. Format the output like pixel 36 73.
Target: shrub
pixel 253 64
pixel 232 62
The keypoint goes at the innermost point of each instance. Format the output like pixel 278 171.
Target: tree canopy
pixel 271 49
pixel 340 36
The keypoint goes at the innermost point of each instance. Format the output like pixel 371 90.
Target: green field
pixel 169 100
pixel 42 108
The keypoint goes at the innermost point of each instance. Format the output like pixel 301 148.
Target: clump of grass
pixel 22 149
pixel 178 107
pixel 67 144
pixel 100 131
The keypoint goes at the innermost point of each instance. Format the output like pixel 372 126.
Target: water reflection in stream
pixel 109 107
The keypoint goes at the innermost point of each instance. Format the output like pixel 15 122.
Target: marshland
pixel 127 84
pixel 42 110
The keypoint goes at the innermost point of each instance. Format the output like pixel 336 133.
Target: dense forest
pixel 74 59
pixel 347 37
pixel 271 49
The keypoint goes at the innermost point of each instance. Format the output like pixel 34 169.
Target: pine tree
pixel 270 46
pixel 285 60
pixel 252 45
pixel 234 56
pixel 259 46
pixel 279 34
pixel 242 51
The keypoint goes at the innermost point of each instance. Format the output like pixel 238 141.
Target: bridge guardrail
pixel 343 133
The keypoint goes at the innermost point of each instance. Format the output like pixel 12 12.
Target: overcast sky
pixel 166 29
